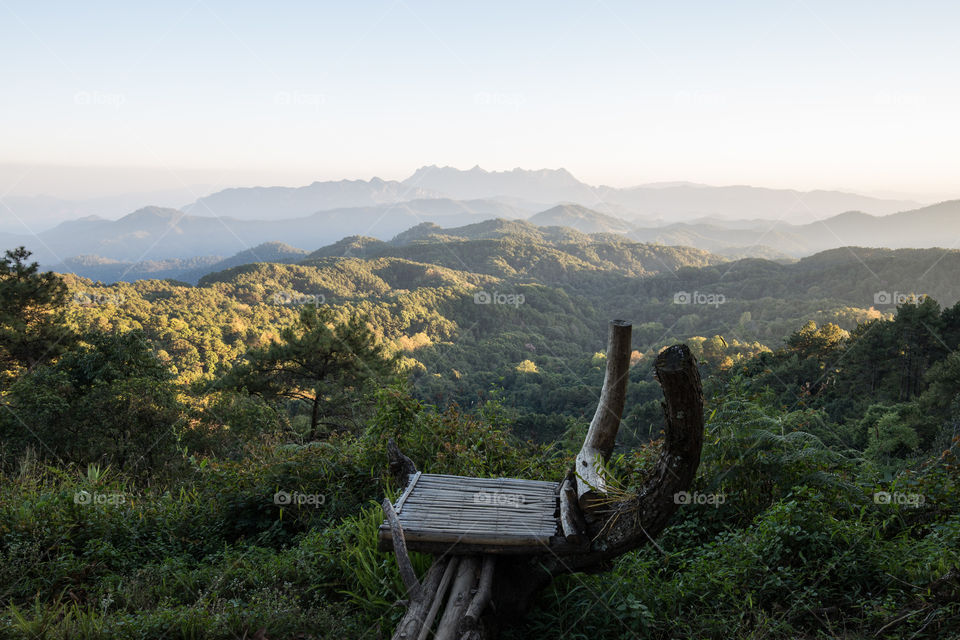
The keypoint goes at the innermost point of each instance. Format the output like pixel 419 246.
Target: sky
pixel 111 97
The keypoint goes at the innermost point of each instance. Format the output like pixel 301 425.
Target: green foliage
pixel 333 370
pixel 32 326
pixel 891 434
pixel 799 552
pixel 110 400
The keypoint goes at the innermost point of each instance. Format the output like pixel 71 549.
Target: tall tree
pixel 32 325
pixel 332 367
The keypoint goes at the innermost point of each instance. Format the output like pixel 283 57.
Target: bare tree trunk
pixel 401 467
pixel 315 417
pixel 602 435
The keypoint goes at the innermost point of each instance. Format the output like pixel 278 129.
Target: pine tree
pixel 33 329
pixel 333 367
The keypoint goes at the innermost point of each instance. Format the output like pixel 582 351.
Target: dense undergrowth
pixel 798 546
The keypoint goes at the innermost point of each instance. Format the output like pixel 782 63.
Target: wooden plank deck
pixel 460 514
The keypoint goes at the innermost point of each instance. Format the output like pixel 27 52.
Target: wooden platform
pixel 463 515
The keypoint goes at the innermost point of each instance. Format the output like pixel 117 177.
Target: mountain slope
pixel 519 249
pixel 580 218
pixel 272 203
pixel 687 202
pixel 155 233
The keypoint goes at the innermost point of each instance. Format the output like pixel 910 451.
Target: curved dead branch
pixel 634 522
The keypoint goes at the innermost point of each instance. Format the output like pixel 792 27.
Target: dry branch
pixel 571 519
pixel 401 467
pixel 634 522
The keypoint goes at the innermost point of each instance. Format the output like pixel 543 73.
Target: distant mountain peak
pixel 537 185
pixel 852 216
pixel 152 214
pixel 580 218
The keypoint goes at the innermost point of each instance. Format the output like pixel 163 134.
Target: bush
pixel 110 401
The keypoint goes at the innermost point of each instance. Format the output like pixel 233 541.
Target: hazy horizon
pixel 806 95
pixel 97 182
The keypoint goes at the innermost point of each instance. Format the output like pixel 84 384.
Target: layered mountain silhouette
pixel 271 203
pixel 528 192
pixel 443 204
pixel 933 226
pixel 166 243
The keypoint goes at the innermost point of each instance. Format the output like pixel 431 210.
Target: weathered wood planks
pixel 464 514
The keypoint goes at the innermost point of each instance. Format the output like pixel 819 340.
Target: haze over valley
pixel 183 243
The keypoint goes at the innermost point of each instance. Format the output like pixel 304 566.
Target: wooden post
pixel 431 593
pixel 602 435
pixel 449 626
pixel 571 519
pixel 471 619
pixel 400 550
pixel 438 597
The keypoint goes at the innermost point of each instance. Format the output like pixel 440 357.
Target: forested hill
pixel 465 313
pixel 516 249
pixel 184 411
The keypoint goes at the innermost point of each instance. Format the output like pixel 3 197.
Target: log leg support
pixel 463 587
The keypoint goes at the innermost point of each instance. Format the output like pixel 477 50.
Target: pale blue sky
pixel 855 95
